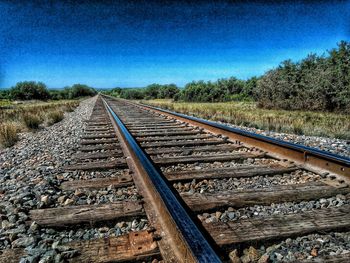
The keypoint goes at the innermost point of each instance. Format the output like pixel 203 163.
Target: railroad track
pixel 204 192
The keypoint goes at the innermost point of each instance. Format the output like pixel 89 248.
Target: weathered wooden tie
pixel 279 226
pixel 229 172
pixel 189 150
pixel 91 148
pixel 262 196
pixel 97 165
pixel 99 155
pixel 73 215
pixel 98 136
pixel 98 141
pixel 175 129
pixel 155 127
pixel 132 247
pixel 98 183
pixel 205 158
pixel 170 138
pixel 135 246
pixel 166 133
pixel 181 143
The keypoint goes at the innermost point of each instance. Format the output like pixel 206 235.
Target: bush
pixel 8 134
pixel 153 91
pixel 4 94
pixel 132 94
pixel 70 107
pixel 320 83
pixel 218 91
pixel 29 90
pixel 80 90
pixel 74 92
pixel 32 121
pixel 55 116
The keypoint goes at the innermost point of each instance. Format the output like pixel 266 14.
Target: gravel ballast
pixel 260 211
pixel 306 247
pixel 30 176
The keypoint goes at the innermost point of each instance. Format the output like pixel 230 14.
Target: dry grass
pixel 8 134
pixel 247 114
pixel 54 117
pixel 32 121
pixel 31 115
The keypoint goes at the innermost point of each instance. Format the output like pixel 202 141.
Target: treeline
pixel 315 83
pixel 31 90
pixel 153 91
pixel 196 91
pixel 220 90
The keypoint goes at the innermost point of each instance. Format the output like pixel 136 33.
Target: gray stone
pixel 23 242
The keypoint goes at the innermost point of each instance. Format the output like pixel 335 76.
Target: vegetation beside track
pixel 31 90
pixel 249 115
pixel 30 116
pixel 29 105
pixel 315 83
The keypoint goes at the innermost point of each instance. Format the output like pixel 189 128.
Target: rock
pixel 323 200
pixel 230 209
pixel 218 214
pixel 6 224
pixel 58 258
pixel 69 254
pixel 279 256
pixel 264 258
pixel 270 249
pixel 33 227
pixel 211 220
pixel 341 197
pixel 23 242
pixel 68 201
pixel 61 199
pixel 79 193
pixel 231 215
pixel 31 259
pixel 250 255
pixel 45 199
pixel 245 259
pixel 234 256
pixel 46 259
pixel 314 252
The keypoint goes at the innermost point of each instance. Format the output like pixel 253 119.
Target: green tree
pixel 81 90
pixel 29 90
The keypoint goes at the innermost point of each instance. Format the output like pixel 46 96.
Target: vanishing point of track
pixel 163 154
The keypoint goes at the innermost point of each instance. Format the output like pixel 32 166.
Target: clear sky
pixel 134 43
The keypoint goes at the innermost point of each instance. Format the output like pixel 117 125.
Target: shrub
pixel 55 116
pixel 319 83
pixel 132 94
pixel 32 121
pixel 29 90
pixel 8 134
pixel 153 91
pixel 70 107
pixel 80 90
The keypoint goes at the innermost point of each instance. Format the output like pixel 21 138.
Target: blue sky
pixel 134 43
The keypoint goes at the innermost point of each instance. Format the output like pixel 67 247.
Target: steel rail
pixel 199 248
pixel 301 154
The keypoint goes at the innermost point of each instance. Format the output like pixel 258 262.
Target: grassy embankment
pixel 15 118
pixel 247 114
